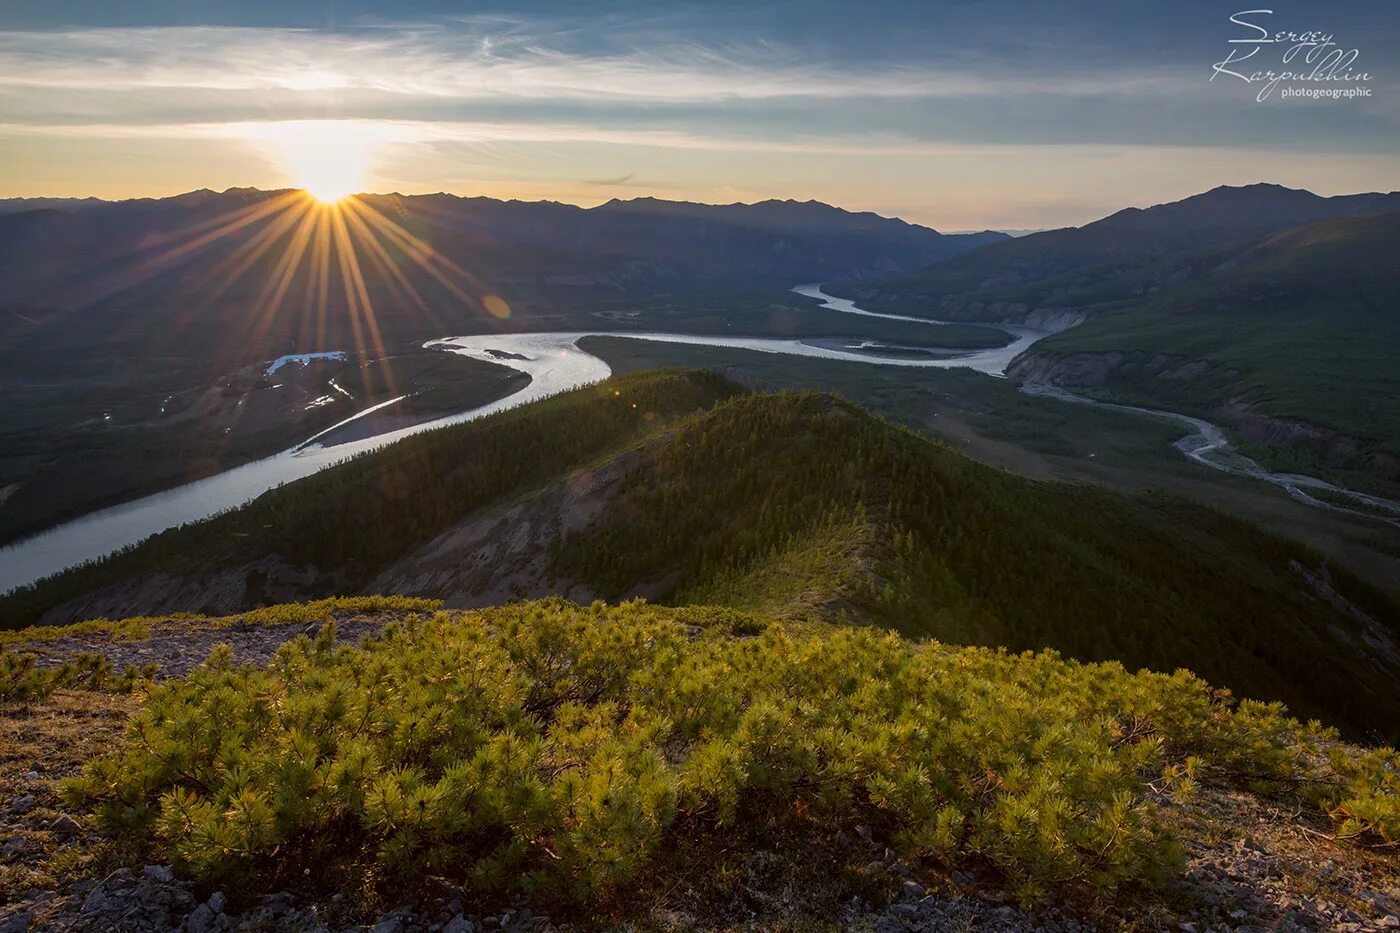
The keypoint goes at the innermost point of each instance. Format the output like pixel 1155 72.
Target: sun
pixel 328 159
pixel 328 191
pixel 327 172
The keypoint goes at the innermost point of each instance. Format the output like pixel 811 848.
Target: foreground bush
pixel 556 749
pixel 23 681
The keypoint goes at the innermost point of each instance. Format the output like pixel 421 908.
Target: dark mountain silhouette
pixel 1123 255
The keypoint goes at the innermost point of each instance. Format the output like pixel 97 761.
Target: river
pixel 1207 445
pixel 555 364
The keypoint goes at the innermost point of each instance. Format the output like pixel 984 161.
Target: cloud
pixel 569 109
pixel 615 81
pixel 608 182
pixel 467 63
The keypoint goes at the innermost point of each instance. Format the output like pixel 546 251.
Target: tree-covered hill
pixel 799 506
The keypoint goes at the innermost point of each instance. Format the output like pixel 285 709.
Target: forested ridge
pixel 805 507
pixel 802 504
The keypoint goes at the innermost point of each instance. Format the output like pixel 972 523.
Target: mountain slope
pixel 1267 308
pixel 794 505
pixel 1293 339
pixel 1120 257
pixel 61 256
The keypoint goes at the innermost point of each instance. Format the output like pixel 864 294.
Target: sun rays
pixel 293 259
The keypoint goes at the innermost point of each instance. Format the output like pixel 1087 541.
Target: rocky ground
pixel 178 648
pixel 1252 865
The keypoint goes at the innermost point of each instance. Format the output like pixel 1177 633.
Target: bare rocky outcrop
pixel 503 552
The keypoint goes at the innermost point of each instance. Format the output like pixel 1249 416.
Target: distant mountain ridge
pixel 157 257
pixel 772 241
pixel 1122 256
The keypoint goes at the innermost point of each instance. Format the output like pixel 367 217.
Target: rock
pixel 16 923
pixel 120 878
pixel 14 847
pixel 1186 927
pixel 390 924
pixel 159 874
pixel 278 903
pixel 201 920
pixel 217 902
pixel 459 924
pixel 65 827
pixel 1389 923
pixel 22 804
pixel 96 901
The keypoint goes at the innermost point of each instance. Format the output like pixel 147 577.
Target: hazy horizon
pixel 955 115
pixel 1012 231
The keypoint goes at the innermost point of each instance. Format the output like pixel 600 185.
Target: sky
pixel 957 114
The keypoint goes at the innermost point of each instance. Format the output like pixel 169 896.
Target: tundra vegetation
pixel 564 751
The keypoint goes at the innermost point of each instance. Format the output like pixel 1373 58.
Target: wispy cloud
pixel 505 73
pixel 467 63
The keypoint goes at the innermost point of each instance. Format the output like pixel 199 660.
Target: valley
pixel 554 362
pixel 1267 310
pixel 816 510
pixel 737 513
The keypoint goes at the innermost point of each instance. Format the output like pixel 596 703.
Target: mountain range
pixel 66 254
pixel 186 277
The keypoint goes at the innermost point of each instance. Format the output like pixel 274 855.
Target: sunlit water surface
pixel 554 364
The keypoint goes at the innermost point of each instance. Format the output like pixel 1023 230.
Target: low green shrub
pixel 559 750
pixel 22 679
pixel 318 610
pixel 1367 805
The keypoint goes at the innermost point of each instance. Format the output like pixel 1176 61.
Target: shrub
pixel 22 679
pixel 554 749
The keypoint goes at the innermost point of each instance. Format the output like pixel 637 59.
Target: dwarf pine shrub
pixel 556 749
pixel 22 679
